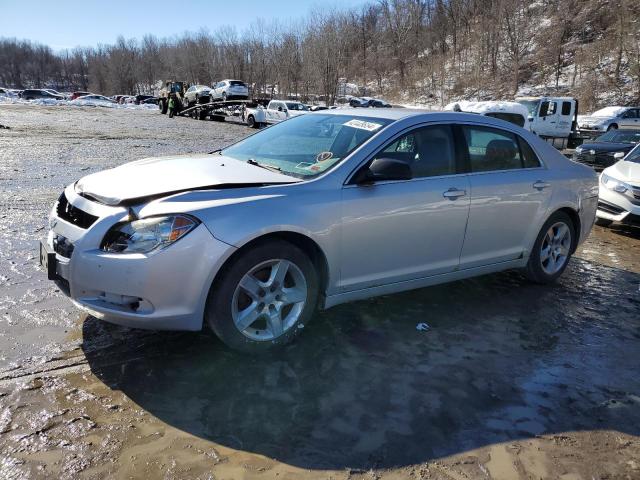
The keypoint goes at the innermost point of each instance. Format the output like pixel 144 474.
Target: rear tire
pixel 552 249
pixel 264 298
pixel 165 106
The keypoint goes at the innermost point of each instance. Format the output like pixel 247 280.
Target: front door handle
pixel 540 185
pixel 454 193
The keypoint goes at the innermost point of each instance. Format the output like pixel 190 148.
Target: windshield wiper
pixel 251 161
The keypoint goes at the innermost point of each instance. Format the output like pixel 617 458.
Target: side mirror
pixel 383 169
pixel 618 155
pixel 279 109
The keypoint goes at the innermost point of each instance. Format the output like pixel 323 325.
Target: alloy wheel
pixel 555 248
pixel 269 300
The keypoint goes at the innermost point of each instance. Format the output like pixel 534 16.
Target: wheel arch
pixel 575 219
pixel 309 246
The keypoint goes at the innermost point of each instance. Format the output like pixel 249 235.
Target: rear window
pixel 508 117
pixel 566 108
pixel 529 157
pixel 237 84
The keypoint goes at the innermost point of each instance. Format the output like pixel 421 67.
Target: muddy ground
pixel 511 381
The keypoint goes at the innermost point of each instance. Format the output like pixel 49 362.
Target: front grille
pixel 598 162
pixel 609 208
pixel 74 215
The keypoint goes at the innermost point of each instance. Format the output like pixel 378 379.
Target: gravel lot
pixel 511 381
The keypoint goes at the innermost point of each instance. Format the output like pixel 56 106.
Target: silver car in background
pixel 318 210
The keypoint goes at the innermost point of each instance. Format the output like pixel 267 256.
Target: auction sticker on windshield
pixel 362 125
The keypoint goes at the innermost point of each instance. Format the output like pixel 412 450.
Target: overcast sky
pixel 69 24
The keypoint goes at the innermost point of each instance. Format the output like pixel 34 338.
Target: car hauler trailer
pixel 215 110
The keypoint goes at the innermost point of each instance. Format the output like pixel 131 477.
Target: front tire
pixel 264 298
pixel 552 250
pixel 251 122
pixel 613 126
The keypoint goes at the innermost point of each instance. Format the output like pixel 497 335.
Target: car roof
pixel 418 114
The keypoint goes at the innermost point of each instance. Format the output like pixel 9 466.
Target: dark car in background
pixel 37 93
pixel 608 148
pixel 150 100
pixel 141 98
pixel 366 102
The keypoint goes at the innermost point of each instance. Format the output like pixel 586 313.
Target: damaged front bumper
pixel 164 289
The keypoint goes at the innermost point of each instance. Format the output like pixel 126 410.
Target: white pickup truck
pixel 554 119
pixel 276 111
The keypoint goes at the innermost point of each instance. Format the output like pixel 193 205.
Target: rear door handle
pixel 540 185
pixel 454 193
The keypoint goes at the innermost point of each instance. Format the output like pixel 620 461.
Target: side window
pixel 529 157
pixel 544 108
pixel 429 151
pixel 491 149
pixel 552 108
pixel 566 108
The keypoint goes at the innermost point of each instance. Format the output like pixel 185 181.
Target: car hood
pixel 625 171
pixel 600 147
pixel 157 177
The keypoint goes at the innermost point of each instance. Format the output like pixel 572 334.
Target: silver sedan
pixel 322 209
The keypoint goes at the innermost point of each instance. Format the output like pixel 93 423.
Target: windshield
pixel 608 112
pixel 307 145
pixel 633 155
pixel 620 136
pixel 532 106
pixel 296 106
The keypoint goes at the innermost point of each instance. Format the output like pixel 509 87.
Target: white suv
pixel 230 90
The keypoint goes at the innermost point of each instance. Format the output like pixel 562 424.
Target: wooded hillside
pixel 410 51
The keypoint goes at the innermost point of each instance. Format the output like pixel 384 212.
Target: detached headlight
pixel 579 149
pixel 147 234
pixel 613 184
